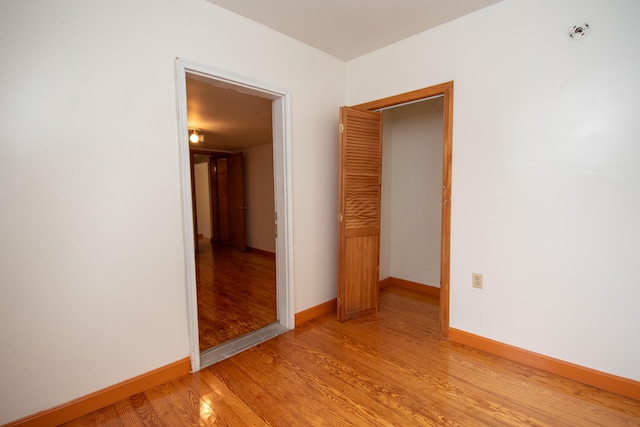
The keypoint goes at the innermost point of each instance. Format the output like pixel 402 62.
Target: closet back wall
pixel 412 192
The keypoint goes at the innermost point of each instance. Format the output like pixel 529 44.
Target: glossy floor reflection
pixel 393 370
pixel 236 293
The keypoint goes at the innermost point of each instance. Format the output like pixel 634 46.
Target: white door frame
pixel 283 198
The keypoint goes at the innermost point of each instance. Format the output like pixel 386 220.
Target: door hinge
pixel 341 128
pixel 340 217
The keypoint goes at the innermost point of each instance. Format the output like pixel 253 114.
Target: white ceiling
pixel 347 29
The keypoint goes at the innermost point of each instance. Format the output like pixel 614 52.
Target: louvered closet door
pixel 359 212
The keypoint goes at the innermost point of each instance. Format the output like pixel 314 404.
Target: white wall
pixel 91 253
pixel 546 178
pixel 258 166
pixel 203 203
pixel 546 171
pixel 412 192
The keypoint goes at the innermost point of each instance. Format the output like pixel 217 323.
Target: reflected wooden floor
pixel 393 370
pixel 236 293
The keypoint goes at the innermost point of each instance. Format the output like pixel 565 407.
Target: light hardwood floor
pixel 393 370
pixel 236 293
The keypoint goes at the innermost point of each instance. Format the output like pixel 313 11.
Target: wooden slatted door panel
pixel 359 212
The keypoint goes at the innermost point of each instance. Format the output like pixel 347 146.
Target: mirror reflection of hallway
pixel 234 213
pixel 236 292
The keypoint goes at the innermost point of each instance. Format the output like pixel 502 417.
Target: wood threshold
pixel 239 344
pixel 316 311
pixel 407 284
pixel 107 396
pixel 613 383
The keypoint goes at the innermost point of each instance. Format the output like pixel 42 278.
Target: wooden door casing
pixel 359 192
pixel 445 90
pixel 194 210
pixel 237 202
pixel 215 211
pixel 223 199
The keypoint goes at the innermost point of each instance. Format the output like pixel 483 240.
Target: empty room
pixel 519 307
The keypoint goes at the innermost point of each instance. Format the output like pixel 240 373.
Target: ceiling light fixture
pixel 196 136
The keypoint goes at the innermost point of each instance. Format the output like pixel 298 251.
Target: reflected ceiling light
pixel 196 136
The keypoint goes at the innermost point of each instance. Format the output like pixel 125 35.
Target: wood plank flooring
pixel 393 370
pixel 236 293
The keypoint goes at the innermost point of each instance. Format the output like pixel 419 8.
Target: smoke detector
pixel 579 31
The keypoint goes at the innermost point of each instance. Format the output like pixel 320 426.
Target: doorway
pixel 282 241
pixel 359 202
pixel 411 197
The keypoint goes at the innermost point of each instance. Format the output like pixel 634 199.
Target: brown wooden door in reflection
pixel 222 177
pixel 359 212
pixel 213 188
pixel 194 209
pixel 237 204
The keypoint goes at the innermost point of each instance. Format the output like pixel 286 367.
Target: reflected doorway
pixel 235 280
pixel 237 256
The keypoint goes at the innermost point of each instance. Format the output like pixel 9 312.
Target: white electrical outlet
pixel 476 280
